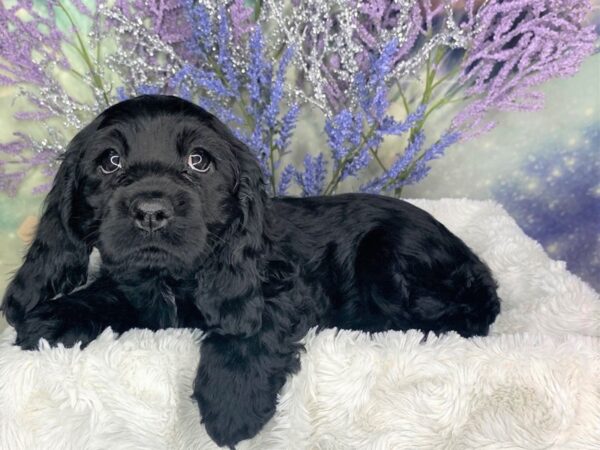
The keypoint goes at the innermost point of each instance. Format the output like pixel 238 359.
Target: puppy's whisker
pixel 216 236
pixel 89 235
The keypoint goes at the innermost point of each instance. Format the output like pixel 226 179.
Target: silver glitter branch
pixel 328 34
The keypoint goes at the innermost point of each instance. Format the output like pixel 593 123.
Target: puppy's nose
pixel 151 215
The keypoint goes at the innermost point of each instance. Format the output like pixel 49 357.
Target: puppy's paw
pixel 28 337
pixel 229 423
pixel 30 332
pixel 56 324
pixel 236 387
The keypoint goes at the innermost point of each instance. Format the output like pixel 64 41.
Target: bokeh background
pixel 542 166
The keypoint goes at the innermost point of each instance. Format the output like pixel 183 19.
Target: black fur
pixel 255 273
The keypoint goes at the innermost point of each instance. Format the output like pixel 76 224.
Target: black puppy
pixel 177 207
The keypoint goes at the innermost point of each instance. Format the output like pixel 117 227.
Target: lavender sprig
pixel 312 179
pixel 288 173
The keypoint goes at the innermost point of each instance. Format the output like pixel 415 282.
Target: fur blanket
pixel 533 383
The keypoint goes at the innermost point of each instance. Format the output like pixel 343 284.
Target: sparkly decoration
pixel 262 65
pixel 339 39
pixel 563 211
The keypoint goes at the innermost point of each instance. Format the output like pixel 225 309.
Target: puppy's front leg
pixel 237 384
pixel 77 317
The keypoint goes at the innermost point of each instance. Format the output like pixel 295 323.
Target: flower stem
pixel 404 101
pixel 379 162
pixel 96 79
pixel 427 93
pixel 257 8
pixel 336 178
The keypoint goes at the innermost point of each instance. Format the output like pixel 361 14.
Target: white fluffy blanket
pixel 534 383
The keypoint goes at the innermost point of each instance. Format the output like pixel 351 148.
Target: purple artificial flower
pixel 224 57
pixel 257 67
pixel 22 58
pixel 214 107
pixel 421 169
pixel 241 19
pixel 202 78
pixel 383 64
pixel 343 133
pixel 147 89
pixel 38 116
pixel 42 188
pixel 388 181
pixel 170 21
pixel 436 150
pixel 361 158
pixel 81 7
pixel 518 45
pixel 10 181
pixel 258 143
pixel 379 16
pixel 143 89
pixel 288 123
pixel 200 41
pixel 391 126
pixel 164 16
pixel 372 88
pixel 345 130
pixel 15 147
pixel 285 179
pixel 277 89
pixel 312 180
pixel 364 155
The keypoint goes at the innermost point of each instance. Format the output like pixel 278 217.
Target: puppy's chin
pixel 149 261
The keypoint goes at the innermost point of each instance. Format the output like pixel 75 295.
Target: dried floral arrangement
pixel 370 72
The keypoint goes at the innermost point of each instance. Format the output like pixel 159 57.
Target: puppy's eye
pixel 199 161
pixel 110 161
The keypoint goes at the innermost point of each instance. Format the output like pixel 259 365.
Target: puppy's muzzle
pixel 151 214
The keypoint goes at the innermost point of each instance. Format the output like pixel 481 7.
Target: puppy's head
pixel 162 188
pixel 158 185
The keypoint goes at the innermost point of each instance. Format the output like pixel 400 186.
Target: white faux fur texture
pixel 533 384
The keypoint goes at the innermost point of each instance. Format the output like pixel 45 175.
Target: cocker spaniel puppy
pixel 177 208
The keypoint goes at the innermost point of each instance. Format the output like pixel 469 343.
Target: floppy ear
pixel 57 259
pixel 230 284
